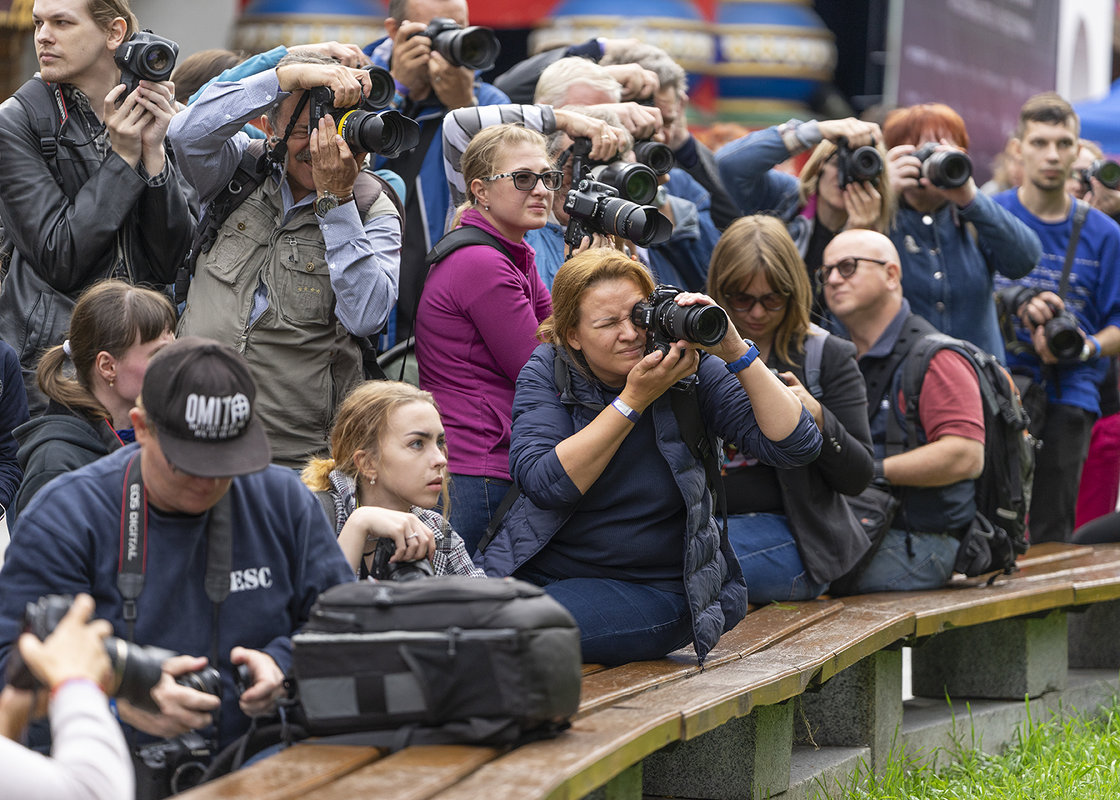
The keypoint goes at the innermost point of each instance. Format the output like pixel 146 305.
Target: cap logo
pixel 217 417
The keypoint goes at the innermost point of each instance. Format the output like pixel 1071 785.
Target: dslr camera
pixel 1105 171
pixel 475 47
pixel 636 182
pixel 658 156
pixel 596 207
pixel 146 57
pixel 945 169
pixel 862 164
pixel 666 322
pixel 388 133
pixel 385 570
pixel 1062 332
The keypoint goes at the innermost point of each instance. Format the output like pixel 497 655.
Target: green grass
pixel 1063 758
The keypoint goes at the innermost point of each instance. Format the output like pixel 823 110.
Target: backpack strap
pixel 39 99
pixel 686 407
pixel 464 236
pixel 814 351
pixel 879 374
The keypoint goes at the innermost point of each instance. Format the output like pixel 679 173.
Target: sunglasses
pixel 524 180
pixel 846 267
pixel 743 302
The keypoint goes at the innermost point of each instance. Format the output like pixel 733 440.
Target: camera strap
pixel 133 555
pixel 1080 213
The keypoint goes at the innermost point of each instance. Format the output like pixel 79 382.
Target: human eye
pixel 416 444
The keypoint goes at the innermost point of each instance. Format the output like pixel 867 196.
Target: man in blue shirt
pixel 428 86
pixel 223 594
pixel 1046 143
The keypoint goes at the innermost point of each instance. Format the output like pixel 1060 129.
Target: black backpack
pixel 1003 490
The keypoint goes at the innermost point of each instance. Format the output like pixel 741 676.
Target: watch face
pixel 325 203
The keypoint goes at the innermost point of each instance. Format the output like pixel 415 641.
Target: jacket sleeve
pixel 746 169
pixel 540 422
pixel 845 461
pixel 726 407
pixel 165 222
pixel 13 412
pixel 1009 246
pixel 700 162
pixel 67 243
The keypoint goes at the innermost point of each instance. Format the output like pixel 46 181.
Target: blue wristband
pixel 625 410
pixel 745 360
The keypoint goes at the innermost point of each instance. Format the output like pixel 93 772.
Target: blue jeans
pixel 620 621
pixel 768 555
pixel 894 569
pixel 474 499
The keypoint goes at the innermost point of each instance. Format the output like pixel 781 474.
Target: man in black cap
pixel 188 541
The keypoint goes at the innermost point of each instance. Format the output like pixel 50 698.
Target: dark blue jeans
pixel 474 499
pixel 620 621
pixel 768 555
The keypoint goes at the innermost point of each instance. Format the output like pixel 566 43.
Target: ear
pixel 572 338
pixel 116 34
pixel 1016 147
pixel 366 463
pixel 105 365
pixel 140 425
pixel 262 124
pixel 894 273
pixel 392 26
pixel 481 191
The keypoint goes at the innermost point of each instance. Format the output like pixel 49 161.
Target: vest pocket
pixel 303 281
pixel 233 254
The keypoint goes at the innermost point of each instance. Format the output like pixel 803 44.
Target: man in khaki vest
pixel 297 270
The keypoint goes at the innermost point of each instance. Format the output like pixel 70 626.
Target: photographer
pixel 428 87
pixel 1077 285
pixel 615 518
pixel 87 188
pixel 295 308
pixel 952 239
pixel 832 193
pixel 89 756
pixel 212 553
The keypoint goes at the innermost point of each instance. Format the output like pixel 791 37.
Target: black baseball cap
pixel 199 395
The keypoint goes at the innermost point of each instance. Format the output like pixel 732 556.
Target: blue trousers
pixel 926 563
pixel 474 499
pixel 770 560
pixel 620 621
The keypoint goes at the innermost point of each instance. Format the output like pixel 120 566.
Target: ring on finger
pixel 412 536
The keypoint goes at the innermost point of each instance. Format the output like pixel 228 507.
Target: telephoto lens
pixel 945 169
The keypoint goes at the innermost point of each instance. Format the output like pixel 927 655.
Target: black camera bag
pixel 440 660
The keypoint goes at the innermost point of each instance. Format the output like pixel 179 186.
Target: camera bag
pixel 443 660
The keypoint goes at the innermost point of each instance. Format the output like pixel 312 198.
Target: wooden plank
pixel 614 685
pixel 415 773
pixel 288 775
pixel 596 748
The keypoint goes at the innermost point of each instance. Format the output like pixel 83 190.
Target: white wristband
pixel 625 410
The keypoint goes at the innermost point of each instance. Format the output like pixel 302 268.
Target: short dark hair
pixel 1048 108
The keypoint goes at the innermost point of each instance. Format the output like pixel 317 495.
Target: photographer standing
pixel 87 189
pixel 304 265
pixel 951 238
pixel 615 517
pixel 1076 286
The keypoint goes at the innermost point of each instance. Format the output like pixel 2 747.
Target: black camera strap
pixel 133 556
pixel 1080 213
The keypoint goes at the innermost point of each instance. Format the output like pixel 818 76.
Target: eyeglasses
pixel 743 302
pixel 846 267
pixel 525 181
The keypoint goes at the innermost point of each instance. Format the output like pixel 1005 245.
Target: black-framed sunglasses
pixel 744 303
pixel 846 267
pixel 524 180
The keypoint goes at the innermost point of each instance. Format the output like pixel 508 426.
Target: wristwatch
pixel 326 201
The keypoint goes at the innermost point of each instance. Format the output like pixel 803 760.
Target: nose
pixel 630 331
pixel 439 458
pixel 43 34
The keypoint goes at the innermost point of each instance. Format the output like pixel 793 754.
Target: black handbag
pixel 875 508
pixel 439 660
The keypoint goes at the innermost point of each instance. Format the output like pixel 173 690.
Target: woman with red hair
pixel 951 238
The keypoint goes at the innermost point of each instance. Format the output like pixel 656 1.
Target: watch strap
pixel 745 360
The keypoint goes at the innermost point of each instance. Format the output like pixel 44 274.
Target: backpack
pixel 446 660
pixel 1003 490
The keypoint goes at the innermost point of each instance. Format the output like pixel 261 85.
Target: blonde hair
pixel 486 149
pixel 361 421
pixel 761 245
pixel 105 11
pixel 109 317
pixel 811 175
pixel 577 275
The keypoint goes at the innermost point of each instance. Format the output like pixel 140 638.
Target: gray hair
pixel 651 57
pixel 552 86
pixel 299 57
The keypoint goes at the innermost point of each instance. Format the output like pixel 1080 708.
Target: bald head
pixel 872 290
pixel 861 242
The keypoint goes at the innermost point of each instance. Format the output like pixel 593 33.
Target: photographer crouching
pixel 299 255
pixel 612 447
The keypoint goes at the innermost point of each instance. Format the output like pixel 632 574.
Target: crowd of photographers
pixel 570 269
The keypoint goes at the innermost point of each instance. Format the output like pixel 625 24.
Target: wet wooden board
pixel 415 773
pixel 288 775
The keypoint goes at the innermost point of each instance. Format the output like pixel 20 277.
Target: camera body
pixel 595 207
pixel 1062 331
pixel 945 169
pixel 667 322
pixel 1104 170
pixel 146 57
pixel 387 133
pixel 473 47
pixel 862 164
pixel 171 766
pixel 385 570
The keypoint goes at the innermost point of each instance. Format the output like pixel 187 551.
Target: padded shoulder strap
pixel 464 236
pixel 44 105
pixel 879 374
pixel 814 349
pixel 369 186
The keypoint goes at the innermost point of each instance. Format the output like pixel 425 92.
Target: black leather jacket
pixel 75 219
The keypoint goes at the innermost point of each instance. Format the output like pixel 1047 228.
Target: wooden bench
pixel 668 728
